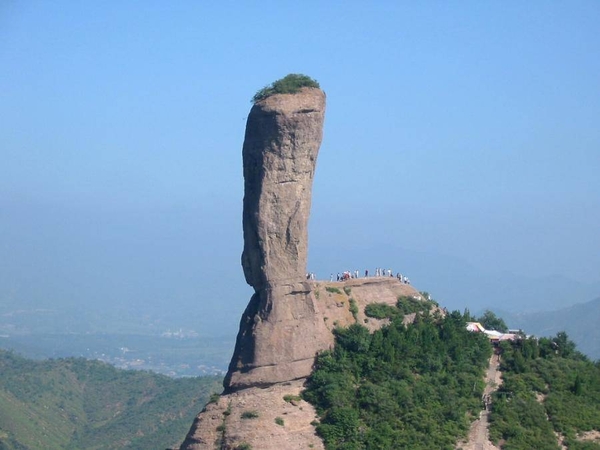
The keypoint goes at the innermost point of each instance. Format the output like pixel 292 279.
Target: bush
pixel 409 305
pixel 381 311
pixel 291 398
pixel 353 308
pixel 249 415
pixel 333 290
pixel 243 446
pixel 290 84
pixel 279 421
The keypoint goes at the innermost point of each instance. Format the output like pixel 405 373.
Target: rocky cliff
pixel 279 333
pixel 228 423
pixel 288 319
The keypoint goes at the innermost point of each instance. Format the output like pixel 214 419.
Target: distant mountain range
pixel 80 404
pixel 579 321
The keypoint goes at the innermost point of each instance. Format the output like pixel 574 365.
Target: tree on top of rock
pixel 290 84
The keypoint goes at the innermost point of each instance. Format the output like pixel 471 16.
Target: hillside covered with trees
pixel 414 386
pixel 420 386
pixel 83 404
pixel 550 394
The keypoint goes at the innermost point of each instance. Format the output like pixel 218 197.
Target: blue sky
pixel 467 130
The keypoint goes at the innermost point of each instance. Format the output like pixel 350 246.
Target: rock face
pixel 279 334
pixel 283 136
pixel 222 425
pixel 288 319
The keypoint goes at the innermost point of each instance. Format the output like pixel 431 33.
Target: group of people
pixel 347 275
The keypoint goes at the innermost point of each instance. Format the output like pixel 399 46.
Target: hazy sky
pixel 465 129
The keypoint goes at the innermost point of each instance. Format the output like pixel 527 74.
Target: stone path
pixel 479 438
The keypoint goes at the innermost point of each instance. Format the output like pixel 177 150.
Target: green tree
pixel 490 321
pixel 402 386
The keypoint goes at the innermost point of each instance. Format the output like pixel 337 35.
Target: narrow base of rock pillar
pixel 280 334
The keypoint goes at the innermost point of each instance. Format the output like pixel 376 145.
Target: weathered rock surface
pixel 222 423
pixel 283 136
pixel 288 319
pixel 279 333
pixel 258 417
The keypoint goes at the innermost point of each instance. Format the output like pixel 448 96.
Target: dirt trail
pixel 479 438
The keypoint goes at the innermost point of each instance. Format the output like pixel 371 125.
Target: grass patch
pixel 353 308
pixel 332 290
pixel 292 398
pixel 243 446
pixel 249 414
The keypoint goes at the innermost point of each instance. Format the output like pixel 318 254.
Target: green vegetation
pixel 333 290
pixel 347 290
pixel 353 308
pixel 250 415
pixel 292 398
pixel 381 311
pixel 243 446
pixel 548 386
pixel 409 305
pixel 290 84
pixel 279 421
pixel 77 404
pixel 402 386
pixel 490 321
pixel 427 297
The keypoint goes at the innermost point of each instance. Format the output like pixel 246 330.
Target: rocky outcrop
pixel 221 426
pixel 274 418
pixel 283 136
pixel 288 319
pixel 279 334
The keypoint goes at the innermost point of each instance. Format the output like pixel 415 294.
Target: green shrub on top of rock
pixel 290 84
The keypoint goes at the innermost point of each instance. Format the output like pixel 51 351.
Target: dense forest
pixel 419 386
pixel 415 386
pixel 82 404
pixel 551 392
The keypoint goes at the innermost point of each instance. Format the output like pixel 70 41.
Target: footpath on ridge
pixel 479 436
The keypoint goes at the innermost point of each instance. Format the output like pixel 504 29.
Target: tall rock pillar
pixel 279 334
